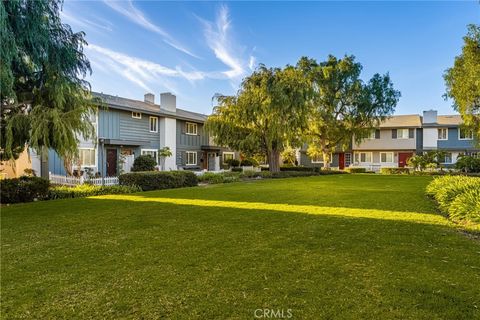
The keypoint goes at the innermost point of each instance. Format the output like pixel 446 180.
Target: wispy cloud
pixel 127 9
pixel 219 40
pixel 85 23
pixel 141 72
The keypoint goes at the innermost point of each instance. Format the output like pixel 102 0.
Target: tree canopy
pixel 44 97
pixel 267 114
pixel 463 80
pixel 342 106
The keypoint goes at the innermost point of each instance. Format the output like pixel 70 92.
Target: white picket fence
pixel 73 181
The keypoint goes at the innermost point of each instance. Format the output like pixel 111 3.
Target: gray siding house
pixel 128 128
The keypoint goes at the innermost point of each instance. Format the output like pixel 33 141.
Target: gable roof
pixel 450 120
pixel 126 104
pixel 402 121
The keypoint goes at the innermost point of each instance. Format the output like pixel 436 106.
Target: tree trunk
pixel 274 160
pixel 326 160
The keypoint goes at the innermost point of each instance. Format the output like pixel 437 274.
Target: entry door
pixel 111 162
pixel 211 160
pixel 341 161
pixel 403 158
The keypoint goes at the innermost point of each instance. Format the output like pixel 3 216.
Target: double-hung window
pixel 190 158
pixel 465 134
pixel 442 134
pixel 150 152
pixel 319 159
pixel 386 157
pixel 402 133
pixel 86 156
pixel 448 158
pixel 228 156
pixel 191 128
pixel 153 124
pixel 363 157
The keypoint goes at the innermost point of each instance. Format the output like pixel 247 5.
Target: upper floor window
pixel 86 157
pixel 153 124
pixel 136 115
pixel 228 156
pixel 465 134
pixel 191 158
pixel 374 134
pixel 443 134
pixel 150 152
pixel 402 133
pixel 191 128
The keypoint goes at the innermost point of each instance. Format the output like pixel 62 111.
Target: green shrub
pixel 237 169
pixel 394 170
pixel 356 170
pixel 456 196
pixel 298 168
pixel 23 189
pixel 86 190
pixel 249 162
pixel 157 180
pixel 143 163
pixel 233 162
pixel 215 178
pixel 466 206
pixel 468 164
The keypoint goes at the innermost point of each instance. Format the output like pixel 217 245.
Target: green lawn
pixel 328 247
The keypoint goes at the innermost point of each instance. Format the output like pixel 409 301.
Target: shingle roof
pixel 412 120
pixel 450 120
pixel 149 108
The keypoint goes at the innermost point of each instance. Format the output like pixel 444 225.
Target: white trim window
pixel 319 158
pixel 443 134
pixel 136 115
pixel 153 124
pixel 372 135
pixel 386 157
pixel 363 157
pixel 227 156
pixel 87 157
pixel 465 134
pixel 402 133
pixel 191 128
pixel 190 158
pixel 448 158
pixel 150 152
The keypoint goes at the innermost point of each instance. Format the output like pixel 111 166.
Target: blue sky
pixel 195 49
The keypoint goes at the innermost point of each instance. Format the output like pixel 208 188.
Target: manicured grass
pixel 328 247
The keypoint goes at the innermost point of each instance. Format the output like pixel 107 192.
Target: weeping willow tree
pixel 267 114
pixel 45 101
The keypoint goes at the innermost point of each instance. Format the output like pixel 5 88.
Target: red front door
pixel 403 158
pixel 341 161
pixel 111 162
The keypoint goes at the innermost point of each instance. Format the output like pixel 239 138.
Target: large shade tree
pixel 44 97
pixel 463 80
pixel 267 114
pixel 343 106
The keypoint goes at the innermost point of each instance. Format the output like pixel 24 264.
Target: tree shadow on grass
pixel 160 257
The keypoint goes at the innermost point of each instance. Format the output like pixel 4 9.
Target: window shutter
pixel 394 133
pixel 377 134
pixel 411 133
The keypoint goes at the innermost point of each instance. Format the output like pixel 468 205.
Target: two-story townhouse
pixel 127 128
pixel 445 133
pixel 340 159
pixel 391 145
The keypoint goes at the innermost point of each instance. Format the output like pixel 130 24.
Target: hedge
pixel 216 178
pixel 86 190
pixel 457 196
pixel 23 189
pixel 156 180
pixel 356 170
pixel 394 170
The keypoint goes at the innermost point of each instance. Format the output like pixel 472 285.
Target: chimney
pixel 430 116
pixel 168 102
pixel 149 98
